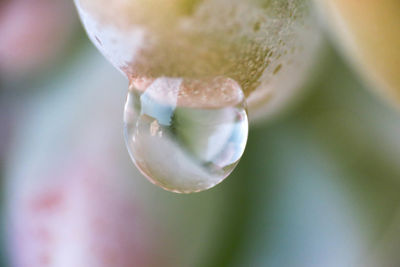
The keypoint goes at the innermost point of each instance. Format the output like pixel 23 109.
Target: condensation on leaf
pixel 257 43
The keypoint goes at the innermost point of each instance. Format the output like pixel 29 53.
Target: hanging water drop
pixel 185 135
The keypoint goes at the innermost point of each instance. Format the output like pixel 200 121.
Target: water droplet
pixel 185 135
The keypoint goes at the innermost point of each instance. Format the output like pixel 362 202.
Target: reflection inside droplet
pixel 185 135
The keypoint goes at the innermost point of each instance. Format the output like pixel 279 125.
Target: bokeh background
pixel 318 184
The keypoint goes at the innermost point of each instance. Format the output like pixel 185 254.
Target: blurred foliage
pixel 322 177
pixel 337 136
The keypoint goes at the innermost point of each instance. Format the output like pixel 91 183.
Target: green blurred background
pixel 318 184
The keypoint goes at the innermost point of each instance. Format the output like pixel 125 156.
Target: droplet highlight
pixel 185 135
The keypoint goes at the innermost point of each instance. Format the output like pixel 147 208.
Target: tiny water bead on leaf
pixel 195 66
pixel 186 135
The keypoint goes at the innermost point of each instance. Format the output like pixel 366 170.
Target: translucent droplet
pixel 185 135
